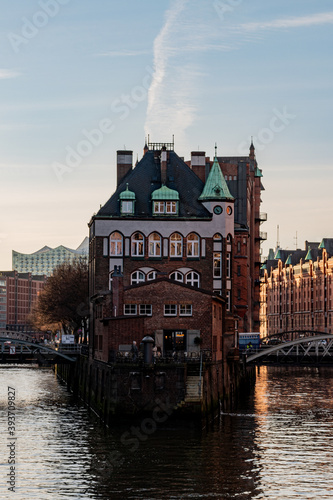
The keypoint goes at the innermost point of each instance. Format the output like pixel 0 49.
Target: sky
pixel 80 80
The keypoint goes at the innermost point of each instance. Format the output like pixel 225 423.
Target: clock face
pixel 229 210
pixel 217 210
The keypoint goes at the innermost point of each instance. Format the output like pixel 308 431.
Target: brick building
pixel 297 290
pixel 18 292
pixel 174 248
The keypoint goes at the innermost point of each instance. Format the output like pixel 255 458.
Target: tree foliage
pixel 64 299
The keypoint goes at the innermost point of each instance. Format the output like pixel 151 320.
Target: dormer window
pixel 165 201
pixel 127 200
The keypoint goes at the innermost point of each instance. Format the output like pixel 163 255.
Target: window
pixel 228 265
pixel 127 207
pixel 170 310
pixel 193 279
pixel 151 276
pixel 177 276
pixel 129 309
pixel 137 277
pixel 158 207
pixel 228 297
pixel 116 244
pixel 238 246
pixel 154 245
pixel 138 245
pixel 185 310
pixel 110 280
pixel 192 245
pixel 217 237
pixel 217 264
pixel 229 238
pixel 171 207
pixel 176 245
pixel 145 309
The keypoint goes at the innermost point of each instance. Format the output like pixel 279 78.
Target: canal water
pixel 276 445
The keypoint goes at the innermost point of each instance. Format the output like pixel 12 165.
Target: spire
pixel 308 255
pixel 252 155
pixel 215 187
pixel 288 261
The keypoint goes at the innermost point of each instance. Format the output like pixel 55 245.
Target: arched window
pixel 192 279
pixel 176 245
pixel 229 238
pixel 151 276
pixel 138 245
pixel 192 245
pixel 217 237
pixel 177 276
pixel 154 245
pixel 116 244
pixel 137 277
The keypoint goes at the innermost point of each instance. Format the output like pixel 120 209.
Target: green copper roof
pixel 127 194
pixel 216 187
pixel 165 193
pixel 322 244
pixel 308 255
pixel 263 266
pixel 288 261
pixel 258 172
pixel 277 254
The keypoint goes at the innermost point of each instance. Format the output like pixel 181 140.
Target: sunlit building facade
pixel 298 295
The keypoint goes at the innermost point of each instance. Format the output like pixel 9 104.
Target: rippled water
pixel 276 445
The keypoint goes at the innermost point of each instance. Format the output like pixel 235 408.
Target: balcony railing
pixel 262 217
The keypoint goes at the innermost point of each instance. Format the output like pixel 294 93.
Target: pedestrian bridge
pixel 18 351
pixel 316 348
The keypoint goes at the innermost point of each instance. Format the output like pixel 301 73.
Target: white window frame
pixel 137 277
pixel 177 276
pixel 193 278
pixel 145 309
pixel 170 309
pixel 126 207
pixel 138 245
pixel 130 309
pixel 116 244
pixel 154 245
pixel 159 207
pixel 193 245
pixel 185 309
pixel 176 245
pixel 171 207
pixel 151 276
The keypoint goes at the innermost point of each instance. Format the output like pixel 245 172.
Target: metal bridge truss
pixel 16 350
pixel 317 349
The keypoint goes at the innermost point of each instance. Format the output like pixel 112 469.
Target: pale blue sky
pixel 206 71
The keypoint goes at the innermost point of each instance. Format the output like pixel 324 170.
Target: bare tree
pixel 64 299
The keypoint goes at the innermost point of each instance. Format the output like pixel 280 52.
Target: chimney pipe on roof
pixel 124 164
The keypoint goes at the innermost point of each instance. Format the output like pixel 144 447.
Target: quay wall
pixel 126 390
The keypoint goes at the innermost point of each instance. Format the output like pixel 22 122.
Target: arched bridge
pixel 310 348
pixel 15 350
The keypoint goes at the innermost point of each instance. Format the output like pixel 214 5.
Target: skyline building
pixel 44 261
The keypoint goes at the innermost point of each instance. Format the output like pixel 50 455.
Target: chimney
pixel 124 164
pixel 198 164
pixel 164 161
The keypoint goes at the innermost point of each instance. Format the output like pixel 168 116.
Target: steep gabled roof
pixel 215 187
pixel 145 178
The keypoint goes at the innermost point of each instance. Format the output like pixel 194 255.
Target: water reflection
pixel 277 444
